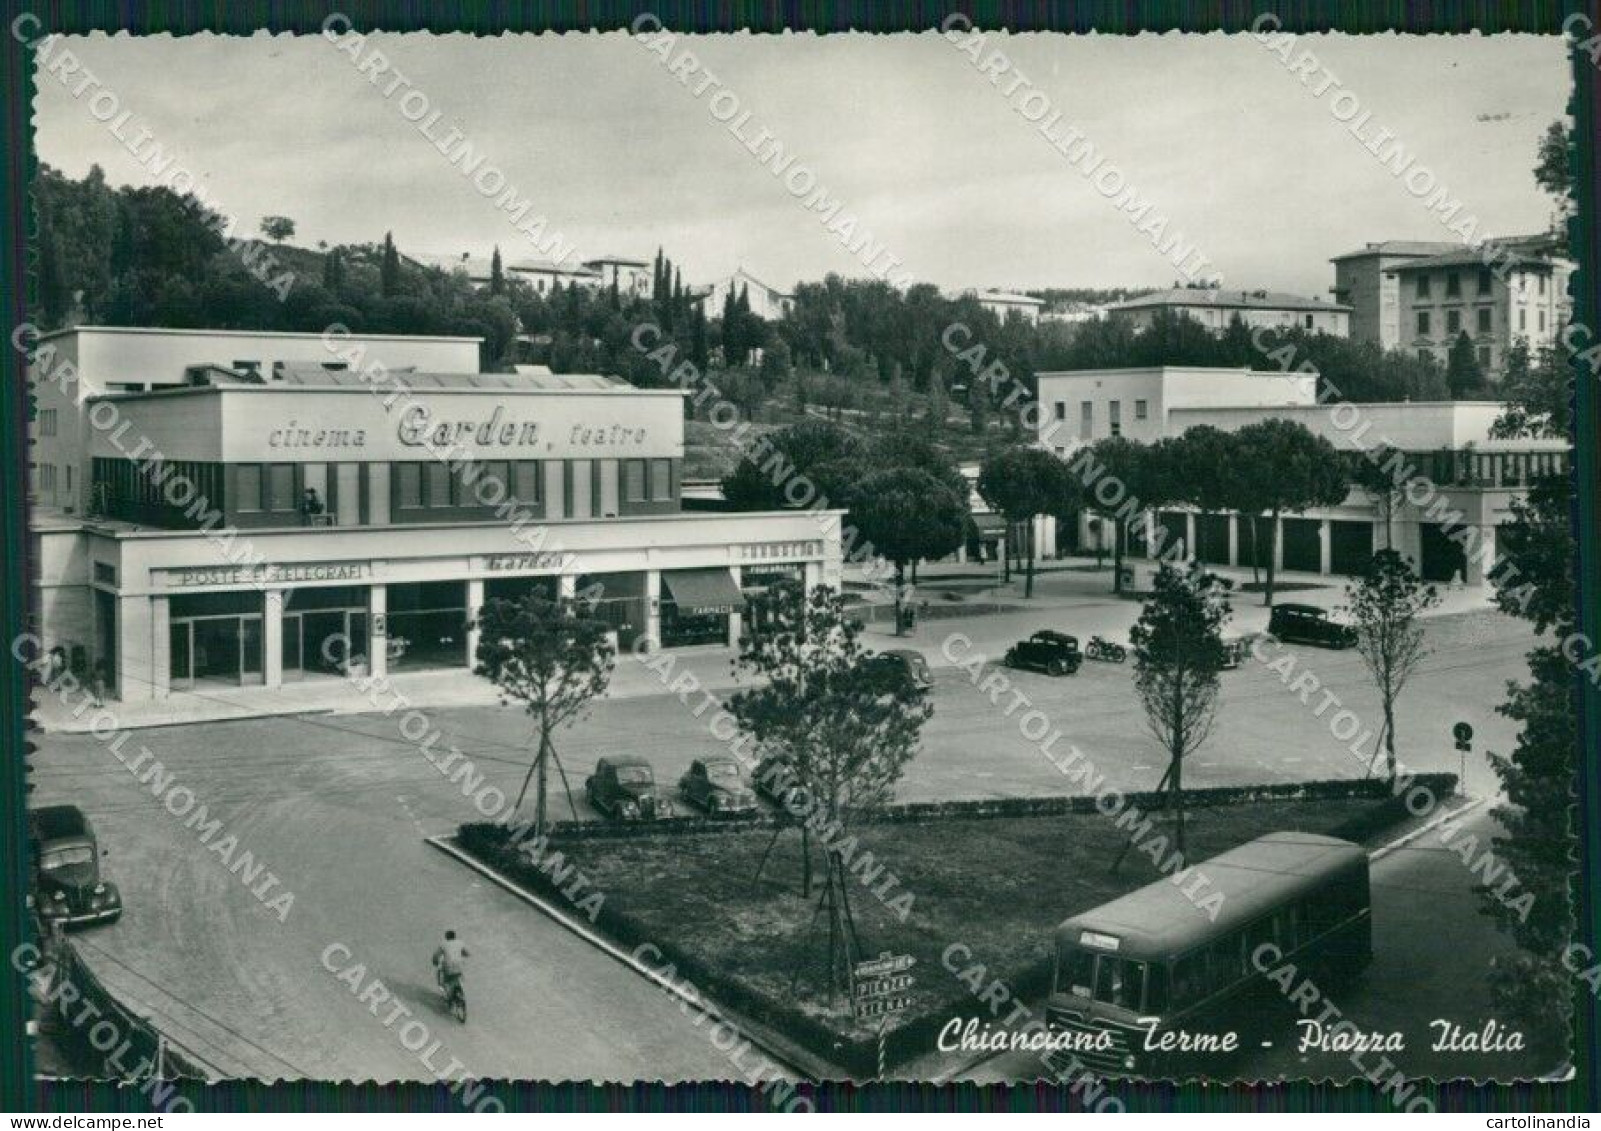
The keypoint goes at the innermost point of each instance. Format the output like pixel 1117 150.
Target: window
pixel 281 487
pixel 1542 284
pixel 1139 410
pixel 47 477
pixel 1484 319
pixel 1423 286
pixel 661 479
pixel 1542 321
pixel 246 366
pixel 634 480
pixel 1453 284
pixel 1523 319
pixel 1484 281
pixel 1453 321
pixel 437 478
pixel 1086 420
pixel 408 484
pixel 1308 321
pixel 493 485
pixel 1114 417
pixel 1061 410
pixel 47 422
pixel 1484 357
pixel 1423 323
pixel 525 484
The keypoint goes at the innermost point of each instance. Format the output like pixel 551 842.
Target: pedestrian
pixel 310 505
pixel 98 683
pixel 55 665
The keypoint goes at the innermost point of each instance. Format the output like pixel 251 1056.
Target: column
pixel 736 623
pixel 377 630
pixel 475 609
pixel 1234 540
pixel 1276 533
pixel 1189 536
pixel 653 610
pixel 814 576
pixel 272 638
pixel 1325 554
pixel 567 587
pixel 1481 553
pixel 160 648
pixel 135 677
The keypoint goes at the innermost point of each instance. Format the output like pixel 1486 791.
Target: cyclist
pixel 449 961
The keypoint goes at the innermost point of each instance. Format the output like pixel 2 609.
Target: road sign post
pixel 882 987
pixel 1463 734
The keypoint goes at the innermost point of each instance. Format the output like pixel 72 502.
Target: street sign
pixel 885 963
pixel 881 1007
pixel 882 987
pixel 1463 733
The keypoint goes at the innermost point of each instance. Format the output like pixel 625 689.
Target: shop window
pixel 281 487
pixel 437 476
pixel 247 487
pixel 661 479
pixel 525 486
pixel 408 484
pixel 634 480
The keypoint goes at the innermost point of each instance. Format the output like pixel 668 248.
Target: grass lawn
pixel 999 885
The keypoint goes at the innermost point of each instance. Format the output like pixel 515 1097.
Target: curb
pixel 805 1066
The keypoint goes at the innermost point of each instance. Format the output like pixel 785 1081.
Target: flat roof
pixel 1219 299
pixel 1187 370
pixel 1160 920
pixel 296 334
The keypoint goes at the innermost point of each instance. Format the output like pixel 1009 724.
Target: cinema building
pixel 1462 482
pixel 224 508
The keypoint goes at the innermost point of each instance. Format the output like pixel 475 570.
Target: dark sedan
pixel 624 788
pixel 1054 653
pixel 714 784
pixel 1308 624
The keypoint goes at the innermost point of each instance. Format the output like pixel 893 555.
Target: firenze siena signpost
pixel 882 987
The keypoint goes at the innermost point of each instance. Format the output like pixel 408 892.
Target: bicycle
pixel 455 995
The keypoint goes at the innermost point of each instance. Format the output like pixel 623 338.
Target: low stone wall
pixel 1342 789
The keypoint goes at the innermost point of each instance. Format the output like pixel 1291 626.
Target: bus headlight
pixel 1128 1062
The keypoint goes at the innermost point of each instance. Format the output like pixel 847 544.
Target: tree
pixel 333 272
pixel 277 228
pixel 1385 605
pixel 1178 658
pixel 1383 474
pixel 1022 482
pixel 1290 471
pixel 1538 776
pixel 1462 371
pixel 908 515
pixel 389 269
pixel 1552 171
pixel 797 451
pixel 826 728
pixel 497 275
pixel 554 660
pixel 1131 478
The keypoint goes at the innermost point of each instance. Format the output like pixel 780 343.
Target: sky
pixel 937 163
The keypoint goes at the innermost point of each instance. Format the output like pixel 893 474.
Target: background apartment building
pixel 1216 308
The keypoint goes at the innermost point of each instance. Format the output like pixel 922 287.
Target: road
pixel 1432 948
pixel 337 808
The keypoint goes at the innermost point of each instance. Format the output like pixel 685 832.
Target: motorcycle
pixel 1099 649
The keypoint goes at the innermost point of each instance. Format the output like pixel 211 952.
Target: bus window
pixel 1118 981
pixel 1077 973
pixel 1189 980
pixel 1156 988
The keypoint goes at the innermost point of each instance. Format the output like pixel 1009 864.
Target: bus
pixel 1152 962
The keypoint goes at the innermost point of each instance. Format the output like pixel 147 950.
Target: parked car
pixel 1308 624
pixel 904 664
pixel 1234 652
pixel 623 787
pixel 1055 653
pixel 67 885
pixel 714 784
pixel 772 782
